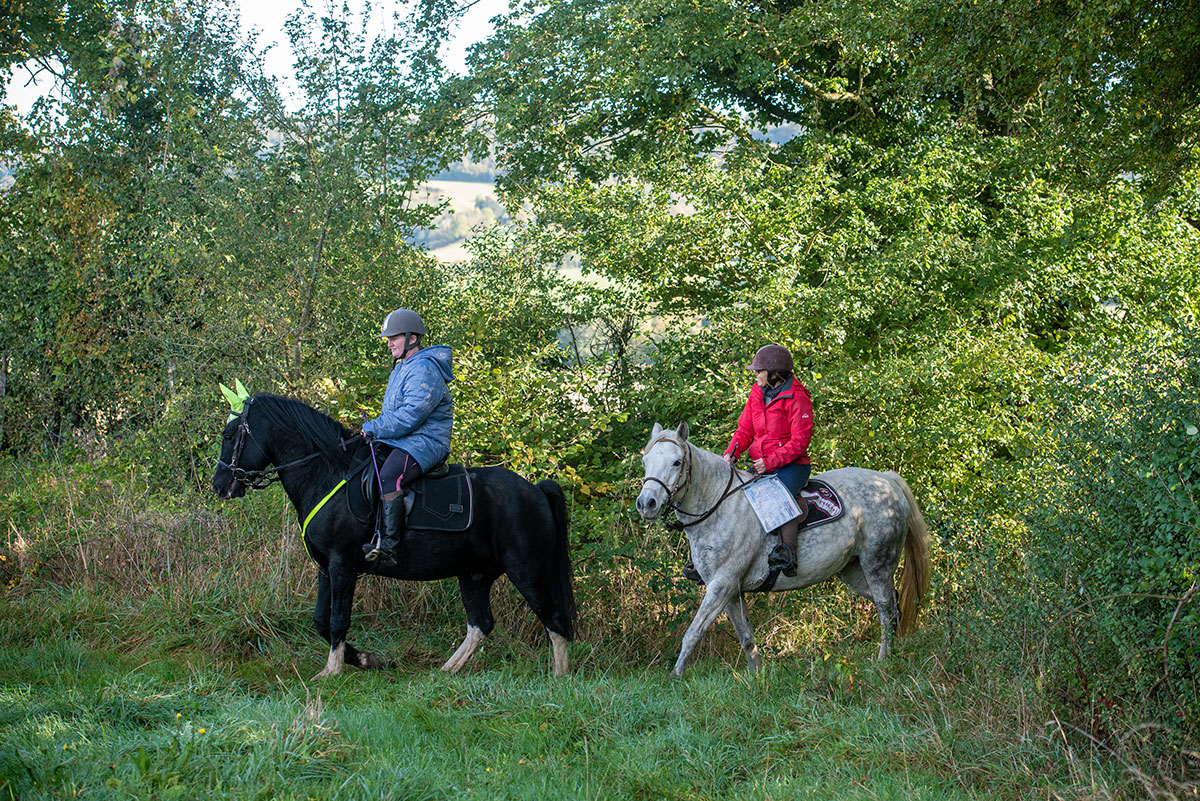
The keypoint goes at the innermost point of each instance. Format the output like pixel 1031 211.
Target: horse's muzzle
pixel 648 504
pixel 233 489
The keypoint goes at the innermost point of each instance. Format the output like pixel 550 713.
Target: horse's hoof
pixel 675 674
pixel 368 661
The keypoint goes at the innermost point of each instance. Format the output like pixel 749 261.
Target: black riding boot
pixel 383 555
pixel 783 556
pixel 692 574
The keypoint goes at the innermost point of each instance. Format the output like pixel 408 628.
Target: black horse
pixel 518 529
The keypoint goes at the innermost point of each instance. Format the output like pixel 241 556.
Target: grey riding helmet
pixel 402 321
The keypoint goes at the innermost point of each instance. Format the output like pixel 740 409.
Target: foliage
pixel 974 224
pixel 178 217
pixel 945 211
pixel 1117 533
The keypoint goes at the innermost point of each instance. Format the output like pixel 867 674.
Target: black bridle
pixel 685 478
pixel 260 479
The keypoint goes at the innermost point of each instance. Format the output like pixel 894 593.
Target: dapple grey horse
pixel 730 547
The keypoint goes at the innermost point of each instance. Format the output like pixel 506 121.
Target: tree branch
pixel 836 97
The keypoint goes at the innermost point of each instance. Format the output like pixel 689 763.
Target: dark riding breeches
pixel 794 476
pixel 398 471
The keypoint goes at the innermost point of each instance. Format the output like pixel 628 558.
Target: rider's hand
pixel 728 460
pixel 760 466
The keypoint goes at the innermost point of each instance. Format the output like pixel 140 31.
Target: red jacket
pixel 778 432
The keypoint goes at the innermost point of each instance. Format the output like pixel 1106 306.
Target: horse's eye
pixel 677 463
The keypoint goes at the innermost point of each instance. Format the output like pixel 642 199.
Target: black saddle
pixel 442 499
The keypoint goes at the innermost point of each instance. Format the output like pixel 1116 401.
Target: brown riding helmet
pixel 775 358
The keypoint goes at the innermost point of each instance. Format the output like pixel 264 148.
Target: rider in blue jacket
pixel 415 420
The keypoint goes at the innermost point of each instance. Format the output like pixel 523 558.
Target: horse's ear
pixel 682 431
pixel 654 432
pixel 237 399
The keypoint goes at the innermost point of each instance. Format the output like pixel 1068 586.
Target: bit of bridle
pixel 685 477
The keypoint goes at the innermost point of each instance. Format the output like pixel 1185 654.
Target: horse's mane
pixel 314 428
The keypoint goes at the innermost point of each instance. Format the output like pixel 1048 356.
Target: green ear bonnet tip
pixel 237 399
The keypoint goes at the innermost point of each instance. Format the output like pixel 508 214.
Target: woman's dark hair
pixel 776 378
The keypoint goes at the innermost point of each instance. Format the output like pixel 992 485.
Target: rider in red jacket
pixel 775 428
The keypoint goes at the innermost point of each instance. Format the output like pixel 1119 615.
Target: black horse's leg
pixel 536 583
pixel 351 655
pixel 342 579
pixel 476 598
pixel 321 612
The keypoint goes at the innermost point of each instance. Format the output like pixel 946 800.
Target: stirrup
pixel 371 549
pixel 782 559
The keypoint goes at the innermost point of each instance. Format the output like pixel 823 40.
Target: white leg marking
pixel 335 663
pixel 465 651
pixel 558 646
pixel 368 661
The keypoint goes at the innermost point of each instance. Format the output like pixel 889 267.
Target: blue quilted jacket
pixel 417 412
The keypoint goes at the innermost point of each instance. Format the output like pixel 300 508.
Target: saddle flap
pixel 362 490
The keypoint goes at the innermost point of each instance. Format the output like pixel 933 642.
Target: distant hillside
pixel 473 207
pixel 471 171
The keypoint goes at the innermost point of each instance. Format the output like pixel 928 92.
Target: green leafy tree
pixel 936 207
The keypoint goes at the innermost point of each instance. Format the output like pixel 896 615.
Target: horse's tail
pixel 564 595
pixel 914 585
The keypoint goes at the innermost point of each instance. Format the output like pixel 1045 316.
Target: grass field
pixel 93 710
pixel 160 645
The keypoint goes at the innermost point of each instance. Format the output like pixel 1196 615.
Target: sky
pixel 267 17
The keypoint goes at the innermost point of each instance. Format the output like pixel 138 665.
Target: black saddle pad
pixel 446 503
pixel 824 505
pixel 441 500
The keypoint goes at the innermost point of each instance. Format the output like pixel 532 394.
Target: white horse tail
pixel 914 584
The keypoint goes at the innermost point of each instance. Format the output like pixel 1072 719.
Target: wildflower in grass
pixel 202 731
